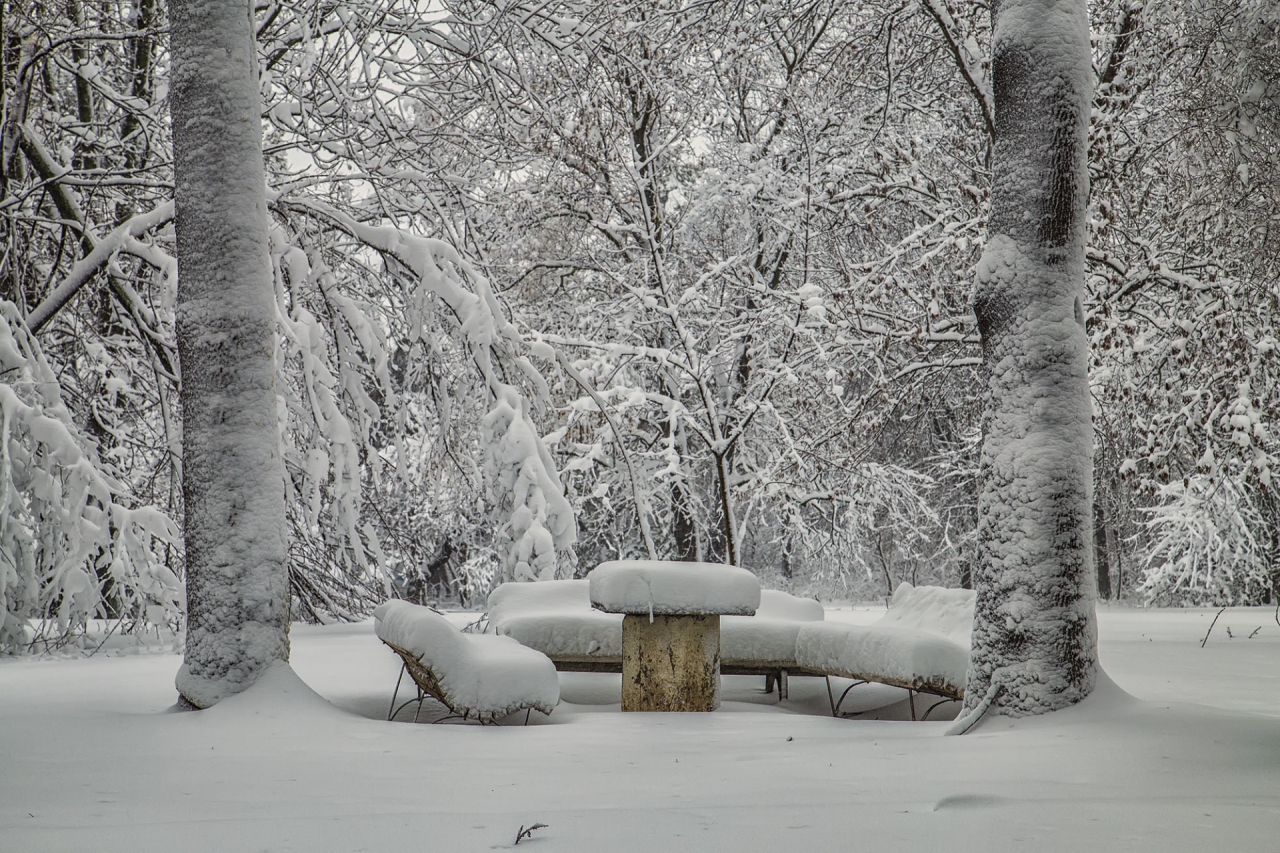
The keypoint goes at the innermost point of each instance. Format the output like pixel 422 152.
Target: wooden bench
pixel 556 618
pixel 921 644
pixel 475 676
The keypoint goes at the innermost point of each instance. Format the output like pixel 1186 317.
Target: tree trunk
pixel 233 473
pixel 684 527
pixel 1101 551
pixel 1035 632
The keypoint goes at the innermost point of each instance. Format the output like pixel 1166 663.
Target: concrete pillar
pixel 671 663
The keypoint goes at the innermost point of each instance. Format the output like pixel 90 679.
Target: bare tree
pixel 1035 634
pixel 233 474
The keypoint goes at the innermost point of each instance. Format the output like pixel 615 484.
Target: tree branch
pixel 969 65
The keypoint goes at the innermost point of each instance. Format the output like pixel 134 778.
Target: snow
pixel 776 604
pixel 94 758
pixel 752 638
pixel 658 587
pixel 895 655
pixel 483 674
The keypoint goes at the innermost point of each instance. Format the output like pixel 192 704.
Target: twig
pixel 1210 631
pixel 528 833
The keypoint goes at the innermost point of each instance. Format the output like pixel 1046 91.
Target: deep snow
pixel 93 759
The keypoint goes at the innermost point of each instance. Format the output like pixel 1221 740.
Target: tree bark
pixel 233 473
pixel 1035 630
pixel 1102 552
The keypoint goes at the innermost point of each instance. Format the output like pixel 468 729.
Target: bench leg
pixel 926 714
pixel 391 709
pixel 779 678
pixel 836 703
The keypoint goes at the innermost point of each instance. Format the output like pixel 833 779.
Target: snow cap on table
pixel 659 587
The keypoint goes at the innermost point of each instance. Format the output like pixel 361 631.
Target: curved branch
pixel 968 64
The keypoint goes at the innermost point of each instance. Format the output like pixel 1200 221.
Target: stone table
pixel 671 627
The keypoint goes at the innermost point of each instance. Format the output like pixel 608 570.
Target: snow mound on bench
pixel 922 642
pixel 776 604
pixel 658 587
pixel 555 617
pixel 486 675
pixel 933 609
pixel 770 635
pixel 745 639
pixel 903 657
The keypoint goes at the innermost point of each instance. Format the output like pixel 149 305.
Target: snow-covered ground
pixel 92 758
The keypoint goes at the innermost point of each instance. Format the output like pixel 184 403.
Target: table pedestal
pixel 671 663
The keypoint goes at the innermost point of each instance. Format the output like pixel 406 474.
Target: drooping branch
pixel 83 270
pixel 50 171
pixel 968 61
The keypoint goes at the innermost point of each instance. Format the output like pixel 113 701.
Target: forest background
pixel 560 283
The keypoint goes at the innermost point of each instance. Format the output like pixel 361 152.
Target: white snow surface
pixel 481 673
pixel 94 758
pixel 776 604
pixel 659 587
pixel 879 652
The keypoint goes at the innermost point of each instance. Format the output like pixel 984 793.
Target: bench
pixel 475 676
pixel 921 644
pixel 556 618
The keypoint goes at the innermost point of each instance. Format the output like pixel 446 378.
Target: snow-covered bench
pixel 921 643
pixel 556 618
pixel 473 675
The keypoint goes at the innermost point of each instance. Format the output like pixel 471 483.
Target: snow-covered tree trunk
pixel 1035 634
pixel 233 474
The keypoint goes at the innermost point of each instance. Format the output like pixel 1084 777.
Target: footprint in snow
pixel 969 801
